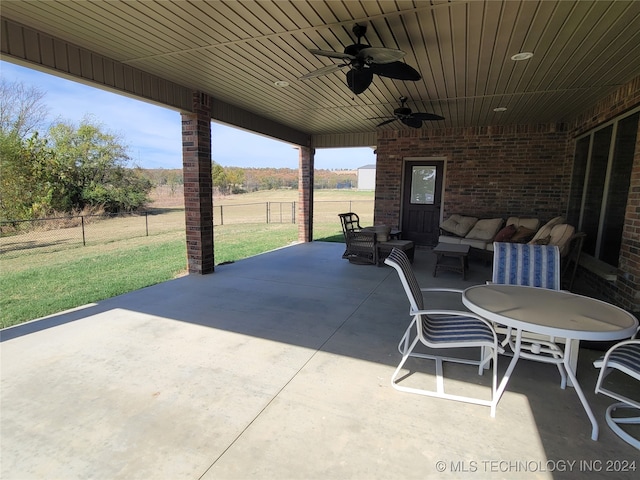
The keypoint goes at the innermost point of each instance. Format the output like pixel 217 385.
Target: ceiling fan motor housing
pixel 355 49
pixel 402 111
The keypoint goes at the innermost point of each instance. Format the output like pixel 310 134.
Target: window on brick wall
pixel 603 162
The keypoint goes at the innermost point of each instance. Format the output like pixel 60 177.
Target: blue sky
pixel 152 133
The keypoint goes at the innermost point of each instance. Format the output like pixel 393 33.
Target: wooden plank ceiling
pixel 237 51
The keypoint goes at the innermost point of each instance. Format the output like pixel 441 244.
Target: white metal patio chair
pixel 440 329
pixel 534 266
pixel 524 264
pixel 625 357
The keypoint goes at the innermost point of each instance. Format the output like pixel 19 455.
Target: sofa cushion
pixel 561 235
pixel 485 229
pixel 458 224
pixel 545 230
pixel 541 240
pixel 382 232
pixel 506 233
pixel 449 239
pixel 532 223
pixel 522 235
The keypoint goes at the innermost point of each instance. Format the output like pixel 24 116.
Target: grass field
pixel 57 272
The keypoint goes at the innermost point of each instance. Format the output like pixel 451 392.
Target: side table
pixel 384 249
pixel 451 256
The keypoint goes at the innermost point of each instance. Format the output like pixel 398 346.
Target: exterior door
pixel 421 197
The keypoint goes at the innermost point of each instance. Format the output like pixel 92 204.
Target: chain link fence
pixel 82 230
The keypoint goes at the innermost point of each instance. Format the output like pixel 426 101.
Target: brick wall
pixel 522 170
pixel 198 185
pixel 490 172
pixel 305 194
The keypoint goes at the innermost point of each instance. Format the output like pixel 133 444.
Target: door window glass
pixel 423 185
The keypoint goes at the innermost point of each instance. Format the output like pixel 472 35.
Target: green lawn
pixel 55 281
pixel 43 281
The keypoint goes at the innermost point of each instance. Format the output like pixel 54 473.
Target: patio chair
pixel 534 266
pixel 350 223
pixel 442 329
pixel 624 357
pixel 362 247
pixel 525 264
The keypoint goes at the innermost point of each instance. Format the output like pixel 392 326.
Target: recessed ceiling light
pixel 281 83
pixel 522 56
pixel 500 109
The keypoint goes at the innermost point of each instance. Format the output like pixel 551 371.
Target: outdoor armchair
pixel 350 223
pixel 362 247
pixel 442 329
pixel 624 357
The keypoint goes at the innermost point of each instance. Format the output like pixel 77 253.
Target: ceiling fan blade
pixel 412 122
pixel 386 121
pixel 328 53
pixel 324 71
pixel 359 80
pixel 396 70
pixel 380 55
pixel 426 116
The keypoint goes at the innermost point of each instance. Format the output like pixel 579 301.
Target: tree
pixel 219 178
pixel 22 110
pixel 66 170
pixel 22 152
pixel 94 167
pixel 235 179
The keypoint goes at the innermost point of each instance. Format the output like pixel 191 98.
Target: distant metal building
pixel 367 177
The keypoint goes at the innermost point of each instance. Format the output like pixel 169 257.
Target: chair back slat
pixel 524 264
pixel 399 260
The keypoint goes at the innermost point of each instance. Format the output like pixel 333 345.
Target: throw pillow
pixel 522 235
pixel 505 234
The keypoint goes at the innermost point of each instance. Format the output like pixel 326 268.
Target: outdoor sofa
pixel 480 234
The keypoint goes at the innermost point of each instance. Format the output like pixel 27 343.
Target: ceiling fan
pixel 409 118
pixel 364 61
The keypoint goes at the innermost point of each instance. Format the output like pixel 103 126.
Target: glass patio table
pixel 552 313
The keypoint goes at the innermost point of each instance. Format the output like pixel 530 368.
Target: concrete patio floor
pixel 277 367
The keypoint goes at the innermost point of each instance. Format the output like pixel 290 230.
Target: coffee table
pixel 452 256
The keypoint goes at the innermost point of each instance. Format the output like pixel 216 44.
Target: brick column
pixel 198 184
pixel 305 194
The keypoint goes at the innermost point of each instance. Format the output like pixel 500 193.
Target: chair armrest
pixel 604 360
pixel 442 289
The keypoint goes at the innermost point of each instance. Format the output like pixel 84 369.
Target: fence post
pixel 221 216
pixel 84 242
pixel 146 222
pixel 293 212
pixel 267 204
